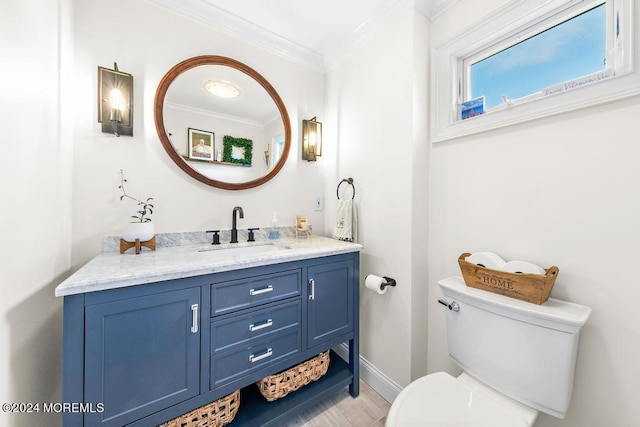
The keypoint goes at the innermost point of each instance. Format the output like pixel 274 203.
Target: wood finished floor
pixel 369 409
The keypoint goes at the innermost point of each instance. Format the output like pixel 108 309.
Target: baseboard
pixel 376 379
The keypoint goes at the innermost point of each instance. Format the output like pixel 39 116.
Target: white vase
pixel 138 230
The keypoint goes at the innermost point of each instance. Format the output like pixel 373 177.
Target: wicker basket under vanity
pixel 279 385
pixel 215 414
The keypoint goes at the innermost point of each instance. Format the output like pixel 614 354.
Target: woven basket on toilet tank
pixel 534 288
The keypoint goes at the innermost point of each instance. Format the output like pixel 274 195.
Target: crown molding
pixel 391 10
pixel 215 114
pixel 205 12
pixel 220 20
pixel 364 32
pixel 433 8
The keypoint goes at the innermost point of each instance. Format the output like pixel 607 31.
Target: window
pixel 532 59
pixel 572 49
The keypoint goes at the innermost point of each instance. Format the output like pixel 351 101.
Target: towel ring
pixel 350 182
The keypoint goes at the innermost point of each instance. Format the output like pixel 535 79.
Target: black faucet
pixel 234 229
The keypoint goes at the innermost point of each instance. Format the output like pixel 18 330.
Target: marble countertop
pixel 110 269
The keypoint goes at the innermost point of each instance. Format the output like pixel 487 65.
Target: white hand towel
pixel 346 227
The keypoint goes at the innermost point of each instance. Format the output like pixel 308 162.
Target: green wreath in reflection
pixel 246 145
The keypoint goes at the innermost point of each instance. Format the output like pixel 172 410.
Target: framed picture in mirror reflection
pixel 201 144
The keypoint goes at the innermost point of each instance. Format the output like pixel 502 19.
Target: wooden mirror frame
pixel 158 112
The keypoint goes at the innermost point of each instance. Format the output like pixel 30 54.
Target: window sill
pixel 610 89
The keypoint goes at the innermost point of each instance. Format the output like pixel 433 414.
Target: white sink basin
pixel 241 251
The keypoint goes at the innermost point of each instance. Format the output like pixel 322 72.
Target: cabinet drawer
pixel 238 294
pixel 242 329
pixel 231 365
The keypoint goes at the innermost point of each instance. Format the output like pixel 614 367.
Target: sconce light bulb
pixel 116 100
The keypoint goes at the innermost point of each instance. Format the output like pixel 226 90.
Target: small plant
pixel 146 208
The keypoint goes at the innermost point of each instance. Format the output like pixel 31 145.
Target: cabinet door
pixel 330 301
pixel 142 355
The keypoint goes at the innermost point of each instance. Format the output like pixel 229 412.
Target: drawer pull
pixel 254 358
pixel 312 295
pixel 194 320
pixel 253 292
pixel 253 327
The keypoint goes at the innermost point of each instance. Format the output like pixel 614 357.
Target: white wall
pixel 35 218
pixel 419 196
pixel 60 173
pixel 558 191
pixel 146 41
pixel 570 179
pixel 375 133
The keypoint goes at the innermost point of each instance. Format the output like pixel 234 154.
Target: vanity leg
pixel 354 367
pixel 354 343
pixel 73 357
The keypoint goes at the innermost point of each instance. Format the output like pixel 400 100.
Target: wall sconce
pixel 311 139
pixel 115 101
pixel 267 155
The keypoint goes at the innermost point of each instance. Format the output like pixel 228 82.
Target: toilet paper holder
pixel 388 282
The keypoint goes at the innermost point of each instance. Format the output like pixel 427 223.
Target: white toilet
pixel 518 358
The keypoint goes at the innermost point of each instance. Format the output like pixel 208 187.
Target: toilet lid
pixel 441 400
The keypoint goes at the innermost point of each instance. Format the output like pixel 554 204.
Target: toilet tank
pixel 525 351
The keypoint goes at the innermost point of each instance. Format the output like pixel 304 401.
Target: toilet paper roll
pixel 486 259
pixel 523 267
pixel 374 283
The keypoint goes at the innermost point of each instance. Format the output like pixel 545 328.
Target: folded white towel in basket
pixel 346 227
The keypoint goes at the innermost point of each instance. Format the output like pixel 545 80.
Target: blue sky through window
pixel 565 52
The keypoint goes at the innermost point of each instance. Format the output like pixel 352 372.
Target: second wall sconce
pixel 311 139
pixel 115 101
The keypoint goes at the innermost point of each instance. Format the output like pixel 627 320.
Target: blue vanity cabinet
pixel 142 354
pixel 330 301
pixel 151 352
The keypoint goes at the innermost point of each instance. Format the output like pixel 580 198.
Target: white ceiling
pixel 252 106
pixel 316 32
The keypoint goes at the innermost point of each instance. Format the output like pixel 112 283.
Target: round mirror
pixel 222 123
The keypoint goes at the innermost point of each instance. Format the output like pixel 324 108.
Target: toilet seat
pixel 444 401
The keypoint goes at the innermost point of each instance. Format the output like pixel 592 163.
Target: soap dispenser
pixel 274 231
